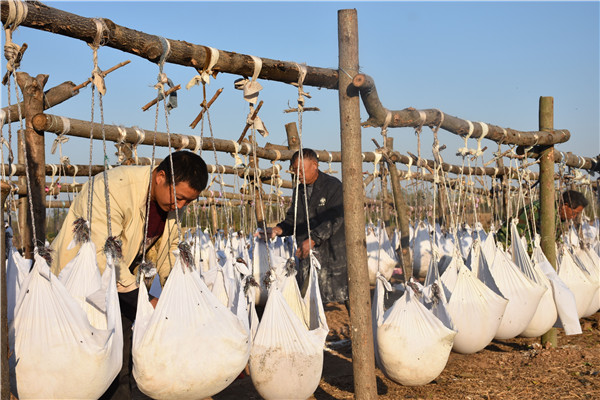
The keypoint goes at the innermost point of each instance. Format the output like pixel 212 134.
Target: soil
pixel 506 369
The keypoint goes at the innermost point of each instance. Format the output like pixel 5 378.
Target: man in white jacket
pixel 128 201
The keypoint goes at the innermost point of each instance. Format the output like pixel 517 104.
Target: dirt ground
pixel 506 369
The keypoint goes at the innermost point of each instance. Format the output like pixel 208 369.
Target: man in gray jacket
pixel 326 223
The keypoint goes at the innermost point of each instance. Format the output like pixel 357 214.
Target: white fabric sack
pixel 286 360
pixel 523 296
pixel 260 266
pixel 378 258
pixel 412 344
pixel 57 353
pixel 444 241
pixel 589 231
pixel 476 312
pixel 465 240
pixel 564 299
pixel 422 250
pixel 545 316
pixel 203 251
pixel 191 346
pixel 17 269
pixel 576 280
pixel 590 264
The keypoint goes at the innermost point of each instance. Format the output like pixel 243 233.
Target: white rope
pixel 204 76
pixel 388 119
pixel 17 13
pixel 484 131
pixel 185 141
pixel 141 136
pixel 301 92
pixel 464 151
pixel 377 156
pixel 235 155
pixel 197 143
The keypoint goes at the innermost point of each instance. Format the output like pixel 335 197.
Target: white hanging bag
pixel 589 262
pixel 523 295
pixel 576 280
pixel 286 360
pixel 378 256
pixel 191 346
pixel 476 311
pixel 412 344
pixel 545 316
pixel 57 353
pixel 564 299
pixel 17 269
pixel 422 250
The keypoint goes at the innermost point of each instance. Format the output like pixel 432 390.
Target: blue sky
pixel 481 61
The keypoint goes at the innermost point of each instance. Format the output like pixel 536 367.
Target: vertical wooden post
pixel 259 206
pixel 292 136
pixel 385 196
pixel 213 215
pixel 363 359
pixel 4 378
pixel 505 186
pixel 547 211
pixel 402 211
pixel 33 101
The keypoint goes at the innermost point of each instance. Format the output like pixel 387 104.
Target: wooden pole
pixel 4 378
pixel 411 117
pixel 363 359
pixel 33 100
pixel 547 211
pixel 52 97
pixel 80 128
pixel 293 139
pixel 145 45
pixel 401 209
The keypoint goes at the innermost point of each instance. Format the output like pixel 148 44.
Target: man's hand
pixel 271 233
pixel 304 249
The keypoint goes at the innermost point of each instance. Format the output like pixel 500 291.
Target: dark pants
pixel 124 386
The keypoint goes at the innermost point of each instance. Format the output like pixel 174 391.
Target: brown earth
pixel 506 369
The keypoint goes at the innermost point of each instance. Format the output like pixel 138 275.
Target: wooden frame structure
pixel 351 89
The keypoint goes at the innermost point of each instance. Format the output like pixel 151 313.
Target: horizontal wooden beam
pixel 570 159
pixel 411 117
pixel 52 97
pixel 148 46
pixel 136 136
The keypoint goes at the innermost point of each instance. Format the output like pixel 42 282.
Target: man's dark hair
pixel 188 167
pixel 574 199
pixel 306 153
